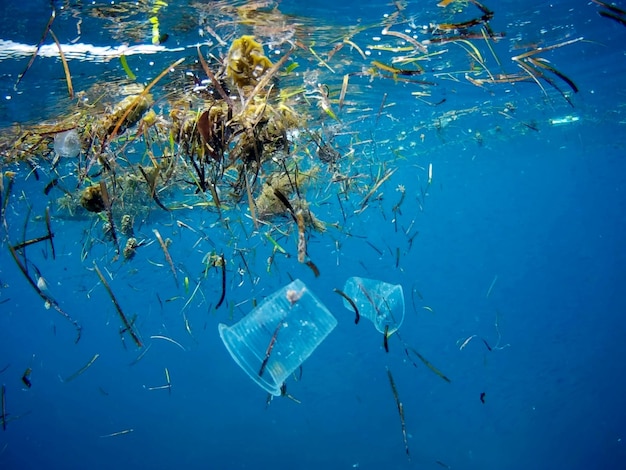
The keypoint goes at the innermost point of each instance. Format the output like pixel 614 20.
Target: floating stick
pixel 190 299
pixel 465 342
pixel 216 199
pixel 532 73
pixel 400 411
pixel 32 59
pixel 382 106
pixel 214 80
pixel 141 355
pixel 187 327
pixel 377 185
pixel 250 199
pixel 428 364
pixel 66 68
pixel 128 326
pixel 50 234
pixel 168 385
pixel 45 297
pixel 82 369
pixel 322 61
pixel 168 258
pixel 613 8
pixel 407 38
pixel 267 76
pixel 613 16
pixel 119 433
pixel 4 409
pixel 268 351
pixel 374 247
pixel 283 393
pixel 547 48
pixel 493 283
pixel 358 49
pixel 542 63
pixel 32 241
pixel 396 71
pixel 344 89
pixel 5 193
pixel 165 338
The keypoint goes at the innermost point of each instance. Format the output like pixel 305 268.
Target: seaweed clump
pixel 246 63
pixel 91 199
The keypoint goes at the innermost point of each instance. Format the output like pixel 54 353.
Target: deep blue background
pixel 543 211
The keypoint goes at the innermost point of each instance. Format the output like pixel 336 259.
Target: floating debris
pixel 352 304
pixel 165 338
pixel 119 433
pixel 168 384
pixel 3 407
pixel 168 258
pixel 427 363
pixel 400 412
pixel 48 300
pixel 253 151
pixel 128 326
pixel 26 378
pixel 82 369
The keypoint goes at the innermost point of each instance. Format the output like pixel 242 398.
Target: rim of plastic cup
pixel 227 336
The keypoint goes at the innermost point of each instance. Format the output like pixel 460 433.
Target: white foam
pixel 79 51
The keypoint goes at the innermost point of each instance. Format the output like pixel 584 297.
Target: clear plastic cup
pixel 378 301
pixel 275 338
pixel 67 144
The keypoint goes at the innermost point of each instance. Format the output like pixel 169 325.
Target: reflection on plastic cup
pixel 278 335
pixel 379 301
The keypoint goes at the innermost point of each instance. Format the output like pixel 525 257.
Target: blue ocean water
pixel 510 252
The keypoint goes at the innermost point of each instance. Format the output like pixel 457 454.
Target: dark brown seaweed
pixel 223 295
pixel 352 304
